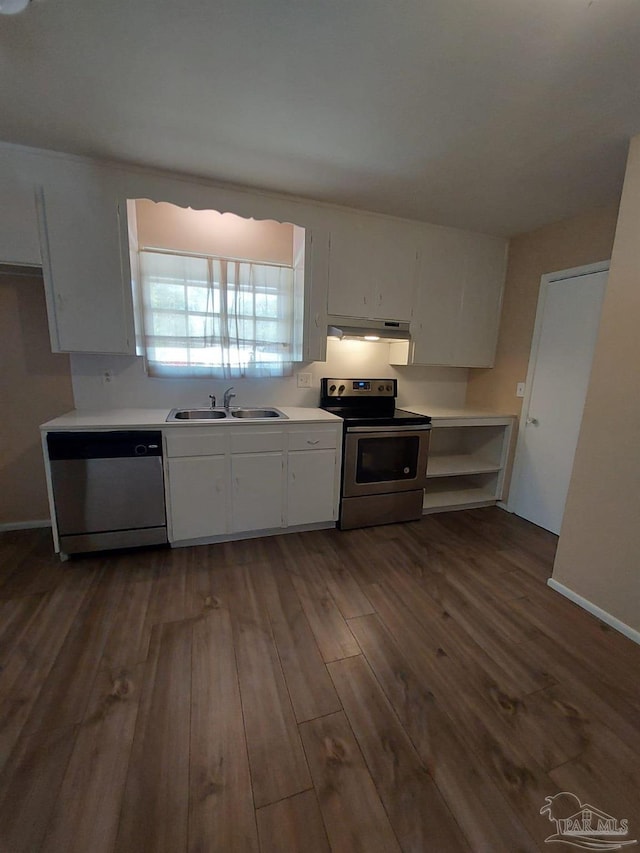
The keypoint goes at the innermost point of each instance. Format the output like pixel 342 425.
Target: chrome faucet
pixel 228 397
pixel 212 397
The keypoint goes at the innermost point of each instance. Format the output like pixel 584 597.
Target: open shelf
pixel 457 464
pixel 466 463
pixel 445 492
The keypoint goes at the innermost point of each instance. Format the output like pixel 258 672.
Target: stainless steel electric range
pixel 384 459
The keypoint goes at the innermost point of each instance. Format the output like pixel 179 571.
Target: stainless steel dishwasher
pixel 108 489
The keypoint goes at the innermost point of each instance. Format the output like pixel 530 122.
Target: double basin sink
pixel 221 414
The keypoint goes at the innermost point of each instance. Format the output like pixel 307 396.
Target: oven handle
pixel 414 428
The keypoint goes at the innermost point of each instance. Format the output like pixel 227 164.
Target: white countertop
pixel 444 413
pixel 87 419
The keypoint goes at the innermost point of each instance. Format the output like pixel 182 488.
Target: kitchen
pixel 342 584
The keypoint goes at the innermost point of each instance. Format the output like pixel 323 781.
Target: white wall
pixel 128 385
pixel 598 555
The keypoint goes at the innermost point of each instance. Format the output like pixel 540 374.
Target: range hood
pixel 350 328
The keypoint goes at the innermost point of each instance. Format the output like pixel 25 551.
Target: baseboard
pixel 24 525
pixel 253 534
pixel 596 611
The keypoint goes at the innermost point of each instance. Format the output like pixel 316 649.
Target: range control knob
pixel 341 389
pixel 380 387
pixel 332 388
pixel 389 387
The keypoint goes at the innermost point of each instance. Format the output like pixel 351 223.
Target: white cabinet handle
pixel 313 442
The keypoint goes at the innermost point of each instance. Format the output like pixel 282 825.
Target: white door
pixel 563 344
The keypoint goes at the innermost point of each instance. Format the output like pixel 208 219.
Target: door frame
pixel 545 281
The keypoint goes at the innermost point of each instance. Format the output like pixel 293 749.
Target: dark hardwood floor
pixel 414 687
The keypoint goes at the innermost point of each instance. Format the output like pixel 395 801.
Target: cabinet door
pixel 198 496
pixel 257 491
pixel 434 325
pixel 349 277
pixel 19 243
pixel 393 270
pixel 481 302
pixel 458 297
pixel 89 297
pixel 311 492
pixel 372 268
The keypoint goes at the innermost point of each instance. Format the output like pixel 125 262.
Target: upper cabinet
pixel 86 272
pixel 19 243
pixel 456 310
pixel 69 214
pixel 481 303
pixel 438 298
pixel 372 267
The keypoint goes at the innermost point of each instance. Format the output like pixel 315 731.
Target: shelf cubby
pixel 467 462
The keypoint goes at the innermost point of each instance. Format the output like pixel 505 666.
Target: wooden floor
pixel 413 687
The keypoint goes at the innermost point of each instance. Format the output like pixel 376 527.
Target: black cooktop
pixel 367 402
pixel 399 417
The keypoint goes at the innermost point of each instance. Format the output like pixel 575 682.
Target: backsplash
pixel 107 381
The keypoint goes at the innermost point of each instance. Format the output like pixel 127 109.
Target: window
pixel 200 314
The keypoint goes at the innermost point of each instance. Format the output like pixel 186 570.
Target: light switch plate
pixel 304 380
pixel 520 389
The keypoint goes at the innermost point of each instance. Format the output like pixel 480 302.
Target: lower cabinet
pixel 256 499
pixel 222 481
pixel 198 496
pixel 311 487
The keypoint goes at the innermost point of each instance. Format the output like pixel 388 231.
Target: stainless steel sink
pixel 221 414
pixel 257 413
pixel 196 414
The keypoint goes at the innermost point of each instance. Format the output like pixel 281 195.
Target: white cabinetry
pixel 479 317
pixel 372 267
pixel 227 480
pixel 311 487
pixel 198 496
pixel 197 482
pixel 257 477
pixel 257 491
pixel 467 460
pixel 19 242
pixel 457 303
pixel 434 326
pixel 313 473
pixel 86 273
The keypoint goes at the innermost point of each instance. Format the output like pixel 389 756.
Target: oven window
pixel 383 460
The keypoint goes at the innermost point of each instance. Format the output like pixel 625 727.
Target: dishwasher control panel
pixel 112 444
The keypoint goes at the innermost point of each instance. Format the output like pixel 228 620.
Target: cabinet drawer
pixel 313 439
pixel 196 442
pixel 256 440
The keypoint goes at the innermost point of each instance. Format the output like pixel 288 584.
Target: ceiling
pixel 495 115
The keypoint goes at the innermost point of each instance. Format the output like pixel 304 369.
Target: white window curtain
pixel 205 316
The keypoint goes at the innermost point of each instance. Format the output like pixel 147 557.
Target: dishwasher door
pixel 108 489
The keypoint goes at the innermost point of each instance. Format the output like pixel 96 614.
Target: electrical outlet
pixel 304 380
pixel 107 376
pixel 520 389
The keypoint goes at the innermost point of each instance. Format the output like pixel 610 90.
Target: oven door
pixel 385 459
